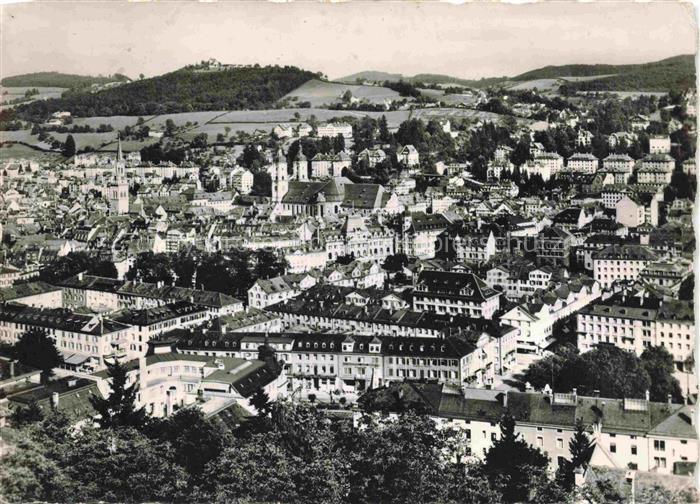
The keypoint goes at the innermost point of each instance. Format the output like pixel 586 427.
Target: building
pixel 582 163
pixel 242 180
pixel 656 169
pixel 334 129
pixel 408 156
pixel 635 321
pixel 627 433
pixel 659 145
pixel 554 246
pixel 621 263
pixel 454 293
pixel 83 340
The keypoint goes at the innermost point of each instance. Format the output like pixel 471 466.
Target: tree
pixel 25 415
pixel 69 147
pixel 581 449
pixel 658 362
pixel 609 370
pixel 510 461
pixel 119 408
pixel 384 135
pixel 195 440
pixel 35 349
pixel 338 143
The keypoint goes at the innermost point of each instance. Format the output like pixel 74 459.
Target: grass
pixel 318 92
pixel 19 151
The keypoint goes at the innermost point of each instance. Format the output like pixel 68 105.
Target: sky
pixel 470 40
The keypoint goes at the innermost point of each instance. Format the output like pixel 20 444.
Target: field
pixel 318 93
pixel 19 151
pixel 117 122
pixel 18 92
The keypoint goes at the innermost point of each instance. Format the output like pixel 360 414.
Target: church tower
pixel 301 168
pixel 280 179
pixel 119 186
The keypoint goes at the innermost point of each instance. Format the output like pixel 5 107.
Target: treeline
pixel 61 80
pixel 251 87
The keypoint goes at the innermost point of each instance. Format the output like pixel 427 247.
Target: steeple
pixel 120 154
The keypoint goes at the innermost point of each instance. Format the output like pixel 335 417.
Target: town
pixel 396 291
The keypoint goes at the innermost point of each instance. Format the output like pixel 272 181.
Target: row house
pixel 329 363
pixel 656 169
pixel 360 239
pixel 366 312
pixel 536 317
pixel 554 246
pixel 518 278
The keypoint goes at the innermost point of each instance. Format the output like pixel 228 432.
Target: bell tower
pixel 280 181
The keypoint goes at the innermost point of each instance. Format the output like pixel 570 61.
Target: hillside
pixel 185 90
pixel 59 80
pixel 671 73
pixel 318 93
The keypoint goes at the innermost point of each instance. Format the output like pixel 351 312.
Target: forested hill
pixel 686 61
pixel 61 80
pixel 185 90
pixel 672 74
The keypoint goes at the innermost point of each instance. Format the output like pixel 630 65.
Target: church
pixel 323 198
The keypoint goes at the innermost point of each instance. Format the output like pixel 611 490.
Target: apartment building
pixel 454 293
pixel 621 263
pixel 84 340
pixel 582 163
pixel 636 321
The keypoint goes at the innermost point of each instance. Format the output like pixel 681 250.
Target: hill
pixel 673 74
pixel 424 78
pixel 185 90
pixel 60 80
pixel 370 75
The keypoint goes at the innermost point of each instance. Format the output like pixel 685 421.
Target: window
pixel 613 448
pixel 634 449
pixel 659 445
pixel 540 441
pixel 560 443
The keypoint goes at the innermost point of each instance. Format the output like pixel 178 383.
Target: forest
pixel 185 90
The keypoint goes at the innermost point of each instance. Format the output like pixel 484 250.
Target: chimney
pixel 669 399
pixel 12 369
pixel 54 399
pixel 646 394
pixel 692 416
pixel 573 391
pixel 596 393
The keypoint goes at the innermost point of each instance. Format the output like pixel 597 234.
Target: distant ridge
pixel 425 78
pixel 58 79
pixel 677 72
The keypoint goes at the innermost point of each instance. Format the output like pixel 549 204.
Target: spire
pixel 120 155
